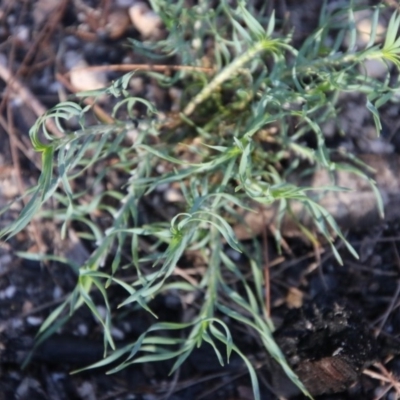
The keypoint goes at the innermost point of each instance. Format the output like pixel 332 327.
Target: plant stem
pixel 226 73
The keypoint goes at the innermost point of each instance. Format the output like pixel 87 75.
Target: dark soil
pixel 330 340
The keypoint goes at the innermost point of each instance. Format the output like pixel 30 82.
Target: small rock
pixel 374 68
pixel 10 291
pixel 58 376
pixel 137 85
pixel 82 329
pixel 57 292
pixel 175 94
pixel 22 33
pixel 34 321
pixel 81 78
pixel 86 391
pixel 145 20
pixel 16 323
pixel 102 312
pixel 117 333
pixel 117 24
pixel 27 307
pixel 173 196
pixel 294 298
pixel 233 254
pixel 42 9
pixel 29 388
pixel 363 21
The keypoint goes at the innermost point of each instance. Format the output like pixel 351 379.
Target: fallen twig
pixel 28 98
pixel 145 67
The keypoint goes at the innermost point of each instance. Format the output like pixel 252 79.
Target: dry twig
pixel 28 98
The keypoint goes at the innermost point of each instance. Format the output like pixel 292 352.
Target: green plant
pixel 260 79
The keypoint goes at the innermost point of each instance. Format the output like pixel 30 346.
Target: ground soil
pixel 31 40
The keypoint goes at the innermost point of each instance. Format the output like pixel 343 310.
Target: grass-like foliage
pixel 226 163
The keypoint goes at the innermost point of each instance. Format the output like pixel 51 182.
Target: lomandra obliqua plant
pixel 259 80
